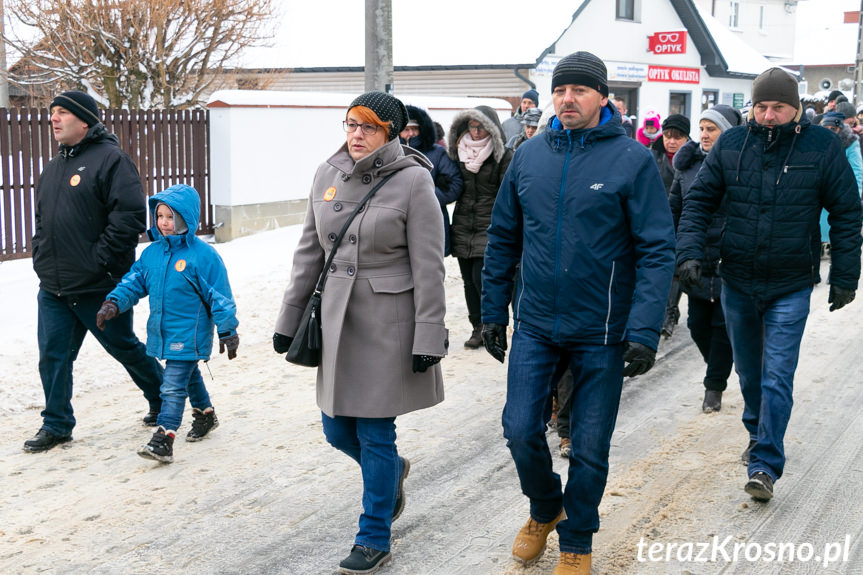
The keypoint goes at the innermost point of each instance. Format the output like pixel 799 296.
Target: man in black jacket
pixel 90 209
pixel 775 175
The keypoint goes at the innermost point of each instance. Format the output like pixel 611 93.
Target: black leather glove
pixel 839 297
pixel 423 362
pixel 229 342
pixel 494 339
pixel 109 311
pixel 638 358
pixel 282 343
pixel 689 274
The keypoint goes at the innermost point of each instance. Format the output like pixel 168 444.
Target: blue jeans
pixel 597 372
pixel 63 322
pixel 371 442
pixel 182 378
pixel 765 337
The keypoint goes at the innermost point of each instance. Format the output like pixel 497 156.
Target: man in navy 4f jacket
pixel 583 210
pixel 90 209
pixel 774 174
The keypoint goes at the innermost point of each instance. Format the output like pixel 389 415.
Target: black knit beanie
pixel 582 68
pixel 776 84
pixel 387 108
pixel 80 104
pixel 677 122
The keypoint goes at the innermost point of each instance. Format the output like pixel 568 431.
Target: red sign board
pixel 669 74
pixel 667 42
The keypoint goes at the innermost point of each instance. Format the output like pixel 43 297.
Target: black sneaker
pixel 759 486
pixel 364 560
pixel 160 448
pixel 400 498
pixel 152 415
pixel 203 422
pixel 744 457
pixel 44 440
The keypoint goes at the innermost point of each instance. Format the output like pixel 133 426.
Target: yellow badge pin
pixel 329 194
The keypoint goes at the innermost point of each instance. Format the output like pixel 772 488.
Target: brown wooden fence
pixel 168 146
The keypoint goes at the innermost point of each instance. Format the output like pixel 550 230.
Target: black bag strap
pixel 321 280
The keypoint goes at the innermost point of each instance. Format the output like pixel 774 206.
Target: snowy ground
pixel 266 495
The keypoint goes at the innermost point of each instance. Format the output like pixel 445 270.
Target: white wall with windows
pixel 766 25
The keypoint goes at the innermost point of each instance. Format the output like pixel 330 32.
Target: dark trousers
pixel 471 275
pixel 564 403
pixel 706 324
pixel 63 323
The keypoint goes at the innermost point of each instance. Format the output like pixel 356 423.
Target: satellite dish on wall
pixel 846 84
pixel 825 84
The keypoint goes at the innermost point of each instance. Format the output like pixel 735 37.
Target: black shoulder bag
pixel 306 347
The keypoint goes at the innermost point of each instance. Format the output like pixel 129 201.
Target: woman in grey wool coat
pixel 382 307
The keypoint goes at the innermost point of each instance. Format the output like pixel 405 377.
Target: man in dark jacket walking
pixel 90 209
pixel 583 210
pixel 774 174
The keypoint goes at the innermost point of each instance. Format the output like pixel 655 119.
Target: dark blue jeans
pixel 597 373
pixel 371 442
pixel 182 379
pixel 765 337
pixel 63 323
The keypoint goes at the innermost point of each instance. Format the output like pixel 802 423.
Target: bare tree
pixel 136 53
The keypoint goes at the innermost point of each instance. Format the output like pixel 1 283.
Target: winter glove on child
pixel 839 297
pixel 423 362
pixel 494 339
pixel 282 343
pixel 638 358
pixel 229 342
pixel 689 274
pixel 109 311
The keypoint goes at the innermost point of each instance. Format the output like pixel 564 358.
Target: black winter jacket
pixel 687 162
pixel 90 210
pixel 666 170
pixel 774 181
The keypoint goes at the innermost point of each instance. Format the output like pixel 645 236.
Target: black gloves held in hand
pixel 689 274
pixel 109 311
pixel 229 342
pixel 282 343
pixel 423 362
pixel 494 339
pixel 638 358
pixel 839 297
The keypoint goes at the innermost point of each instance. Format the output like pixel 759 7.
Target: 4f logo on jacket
pixel 596 186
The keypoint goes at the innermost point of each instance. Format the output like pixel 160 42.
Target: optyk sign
pixel 667 43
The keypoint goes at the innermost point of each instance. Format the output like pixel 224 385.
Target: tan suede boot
pixel 529 544
pixel 573 564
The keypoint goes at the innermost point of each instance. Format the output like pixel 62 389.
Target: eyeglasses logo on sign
pixel 667 42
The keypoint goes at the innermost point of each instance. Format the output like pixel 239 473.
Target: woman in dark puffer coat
pixel 706 321
pixel 475 141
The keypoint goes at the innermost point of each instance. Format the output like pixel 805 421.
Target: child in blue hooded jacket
pixel 189 293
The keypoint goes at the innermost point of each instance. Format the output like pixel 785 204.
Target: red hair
pixel 367 116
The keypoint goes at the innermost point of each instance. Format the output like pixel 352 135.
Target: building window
pixel 734 15
pixel 762 19
pixel 626 9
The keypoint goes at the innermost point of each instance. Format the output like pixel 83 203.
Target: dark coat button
pixel 362 208
pixel 367 179
pixel 344 177
pixel 352 238
pixel 378 163
pixel 332 237
pixel 351 270
pixel 333 268
pixel 337 207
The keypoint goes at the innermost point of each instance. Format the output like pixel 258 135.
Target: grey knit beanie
pixel 582 68
pixel 847 109
pixel 776 84
pixel 387 108
pixel 723 116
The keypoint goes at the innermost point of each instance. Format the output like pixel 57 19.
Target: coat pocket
pixel 392 284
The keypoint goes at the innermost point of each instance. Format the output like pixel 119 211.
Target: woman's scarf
pixel 474 152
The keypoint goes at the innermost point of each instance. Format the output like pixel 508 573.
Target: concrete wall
pixel 265 147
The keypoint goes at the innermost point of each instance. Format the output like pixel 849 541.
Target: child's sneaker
pixel 161 446
pixel 203 422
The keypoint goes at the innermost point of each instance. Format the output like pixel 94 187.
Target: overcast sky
pixel 452 32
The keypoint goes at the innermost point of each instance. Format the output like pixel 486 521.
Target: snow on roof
pixel 821 37
pixel 740 56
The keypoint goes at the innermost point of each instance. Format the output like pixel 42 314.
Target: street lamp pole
pixel 4 75
pixel 379 46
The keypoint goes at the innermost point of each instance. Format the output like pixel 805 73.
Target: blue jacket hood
pixel 183 200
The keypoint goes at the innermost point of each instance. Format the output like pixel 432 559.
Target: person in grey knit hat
pixel 775 174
